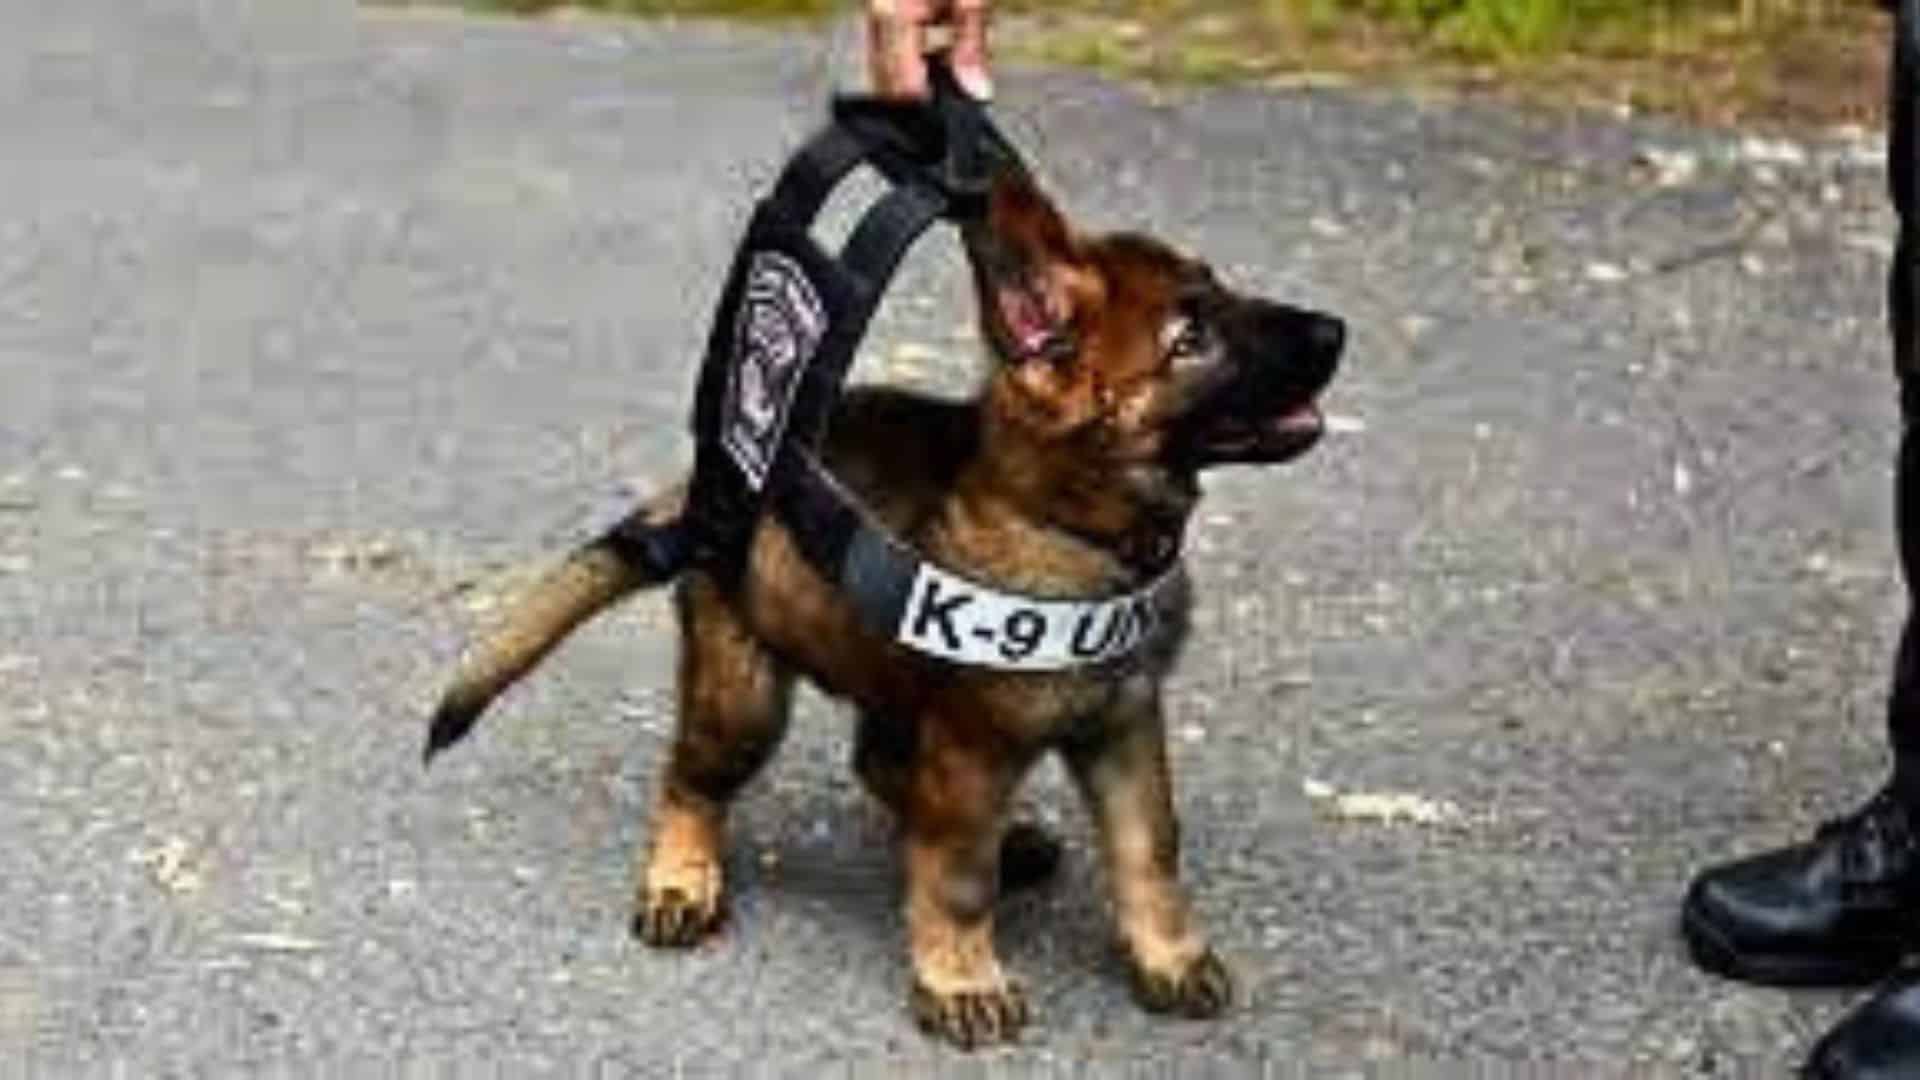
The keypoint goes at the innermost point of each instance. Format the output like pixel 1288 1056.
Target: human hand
pixel 896 45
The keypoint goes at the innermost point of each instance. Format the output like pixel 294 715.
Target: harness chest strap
pixel 917 603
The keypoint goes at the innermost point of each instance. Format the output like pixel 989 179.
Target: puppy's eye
pixel 1183 340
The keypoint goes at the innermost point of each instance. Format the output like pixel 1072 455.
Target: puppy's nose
pixel 1327 338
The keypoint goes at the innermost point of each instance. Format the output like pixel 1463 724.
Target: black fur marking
pixel 450 723
pixel 657 551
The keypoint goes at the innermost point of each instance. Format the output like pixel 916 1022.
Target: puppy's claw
pixel 1201 992
pixel 671 919
pixel 971 1019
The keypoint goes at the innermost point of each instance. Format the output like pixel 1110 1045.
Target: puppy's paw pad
pixel 1029 855
pixel 671 919
pixel 1201 992
pixel 973 1018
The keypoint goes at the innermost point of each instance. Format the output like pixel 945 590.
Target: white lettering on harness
pixel 964 621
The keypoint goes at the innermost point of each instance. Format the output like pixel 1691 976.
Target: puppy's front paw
pixel 676 917
pixel 1200 991
pixel 971 1018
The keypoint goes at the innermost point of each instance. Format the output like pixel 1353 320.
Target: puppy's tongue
pixel 1026 318
pixel 1303 420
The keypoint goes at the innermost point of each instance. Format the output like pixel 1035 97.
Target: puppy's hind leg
pixel 883 748
pixel 733 699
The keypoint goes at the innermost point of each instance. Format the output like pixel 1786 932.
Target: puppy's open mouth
pixel 1268 440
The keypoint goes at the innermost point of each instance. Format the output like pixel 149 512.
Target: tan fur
pixel 590 580
pixel 587 583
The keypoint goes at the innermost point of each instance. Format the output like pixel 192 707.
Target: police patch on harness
pixel 960 620
pixel 780 325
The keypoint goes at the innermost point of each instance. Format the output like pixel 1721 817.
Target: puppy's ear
pixel 1023 257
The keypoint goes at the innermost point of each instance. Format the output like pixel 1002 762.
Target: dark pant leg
pixel 1903 173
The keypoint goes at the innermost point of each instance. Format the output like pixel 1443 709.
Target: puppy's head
pixel 1132 363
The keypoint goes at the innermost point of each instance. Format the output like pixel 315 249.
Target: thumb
pixel 970 19
pixel 896 40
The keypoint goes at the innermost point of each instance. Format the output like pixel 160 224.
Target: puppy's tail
pixel 649 547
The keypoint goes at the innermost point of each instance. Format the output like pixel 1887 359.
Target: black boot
pixel 1879 1040
pixel 1842 909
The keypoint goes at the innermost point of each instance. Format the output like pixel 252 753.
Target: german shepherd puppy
pixel 1122 369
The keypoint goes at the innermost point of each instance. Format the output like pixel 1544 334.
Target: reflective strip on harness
pixel 900 596
pixel 953 618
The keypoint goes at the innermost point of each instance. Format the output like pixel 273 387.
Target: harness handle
pixel 948 143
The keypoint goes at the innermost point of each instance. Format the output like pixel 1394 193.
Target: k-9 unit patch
pixel 780 324
pixel 966 622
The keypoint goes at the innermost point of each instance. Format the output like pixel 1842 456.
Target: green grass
pixel 1796 61
pixel 1738 61
pixel 1485 29
pixel 1479 27
pixel 744 9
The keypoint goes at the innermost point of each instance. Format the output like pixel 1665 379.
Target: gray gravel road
pixel 317 335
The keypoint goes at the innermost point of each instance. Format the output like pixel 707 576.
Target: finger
pixel 896 36
pixel 970 58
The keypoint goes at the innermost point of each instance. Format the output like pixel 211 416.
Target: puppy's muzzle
pixel 1264 410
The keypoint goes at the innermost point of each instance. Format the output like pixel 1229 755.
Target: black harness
pixel 789 322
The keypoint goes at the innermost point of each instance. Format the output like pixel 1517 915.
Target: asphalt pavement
pixel 319 333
